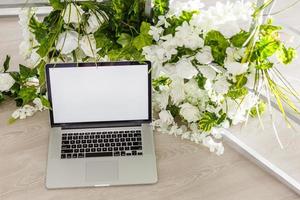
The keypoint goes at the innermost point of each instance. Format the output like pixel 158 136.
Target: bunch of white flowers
pixel 197 88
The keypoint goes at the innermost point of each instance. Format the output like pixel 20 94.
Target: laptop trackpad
pixel 102 170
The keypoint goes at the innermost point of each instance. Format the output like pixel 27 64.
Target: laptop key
pixel 117 153
pixel 81 155
pixel 74 156
pixel 63 156
pixel 69 155
pixel 99 154
pixel 136 148
pixel 122 153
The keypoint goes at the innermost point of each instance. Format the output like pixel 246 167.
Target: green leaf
pixel 144 39
pixel 162 80
pixel 57 4
pixel 264 65
pixel 102 41
pixel 6 63
pixel 160 7
pixel 124 39
pixel 208 121
pixel 145 28
pixel 41 72
pixel 260 109
pixel 27 94
pixel 26 72
pixel 201 80
pixel 286 55
pixel 45 102
pixel 236 92
pixel 38 29
pixel 11 120
pixel 265 48
pixel 141 41
pixel 218 44
pixel 241 80
pixel 239 39
pixel 174 110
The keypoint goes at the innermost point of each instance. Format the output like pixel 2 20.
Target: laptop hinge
pixel 102 125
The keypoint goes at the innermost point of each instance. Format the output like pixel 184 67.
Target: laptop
pixel 101 133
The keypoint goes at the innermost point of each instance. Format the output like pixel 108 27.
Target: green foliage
pixel 218 44
pixel 45 102
pixel 124 39
pixel 236 93
pixel 239 39
pixel 162 80
pixel 26 72
pixel 27 95
pixel 56 4
pixel 259 110
pixel 263 65
pixel 286 55
pixel 209 120
pixel 6 63
pixel 143 39
pixel 237 89
pixel 201 80
pixel 160 7
pixel 174 110
pixel 178 21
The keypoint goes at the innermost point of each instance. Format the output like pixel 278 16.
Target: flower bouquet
pixel 210 65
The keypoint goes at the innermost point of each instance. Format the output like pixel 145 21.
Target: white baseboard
pixel 4 12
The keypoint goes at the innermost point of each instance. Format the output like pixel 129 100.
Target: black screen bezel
pixel 99 64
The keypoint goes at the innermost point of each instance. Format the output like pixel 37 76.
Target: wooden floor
pixel 186 170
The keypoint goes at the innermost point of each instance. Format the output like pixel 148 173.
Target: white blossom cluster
pixel 183 90
pixel 69 41
pixel 28 110
pixel 26 48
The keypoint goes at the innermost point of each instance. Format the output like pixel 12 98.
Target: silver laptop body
pixel 101 133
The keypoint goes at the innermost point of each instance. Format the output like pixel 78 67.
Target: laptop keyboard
pixel 101 143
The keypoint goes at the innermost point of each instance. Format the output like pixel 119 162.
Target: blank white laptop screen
pixel 95 94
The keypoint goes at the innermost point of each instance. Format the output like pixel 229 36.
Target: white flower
pixel 229 29
pixel 213 146
pixel 205 56
pixel 193 93
pixel 177 6
pixel 95 21
pixel 221 86
pixel 177 90
pixel 185 69
pixel 67 42
pixel 32 81
pixel 38 104
pixel 162 21
pixel 73 14
pixel 161 99
pixel 88 45
pixel 156 32
pixel 166 117
pixel 186 36
pixel 189 112
pixel 6 82
pixel 23 112
pixel 208 72
pixel 236 68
